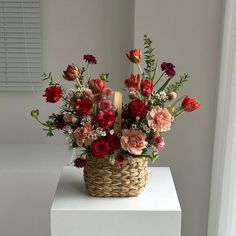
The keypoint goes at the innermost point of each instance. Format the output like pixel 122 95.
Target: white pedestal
pixel 156 212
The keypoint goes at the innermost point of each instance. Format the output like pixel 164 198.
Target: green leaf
pixel 164 85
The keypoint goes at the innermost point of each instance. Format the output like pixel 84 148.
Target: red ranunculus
pixel 147 87
pixel 100 147
pixel 90 59
pixel 137 108
pixel 113 141
pixel 168 68
pixel 59 121
pixel 120 158
pixel 80 162
pixel 104 118
pixel 53 93
pixel 97 85
pixel 83 106
pixel 190 104
pixel 133 82
pixel 134 55
pixel 71 73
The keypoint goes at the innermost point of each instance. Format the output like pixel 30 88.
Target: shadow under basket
pixel 103 179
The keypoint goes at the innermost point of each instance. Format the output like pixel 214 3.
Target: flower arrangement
pixel 112 131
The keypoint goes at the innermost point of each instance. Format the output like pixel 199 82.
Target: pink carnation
pixel 82 134
pixel 159 119
pixel 133 141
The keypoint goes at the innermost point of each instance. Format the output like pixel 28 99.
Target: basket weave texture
pixel 103 179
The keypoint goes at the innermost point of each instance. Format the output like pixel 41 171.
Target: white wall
pixel 70 29
pixel 187 33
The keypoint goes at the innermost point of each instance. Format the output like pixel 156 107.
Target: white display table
pixel 156 212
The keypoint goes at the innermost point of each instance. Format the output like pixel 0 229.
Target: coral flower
pixel 133 141
pixel 190 104
pixel 159 119
pixel 71 73
pixel 82 134
pixel 134 55
pixel 133 82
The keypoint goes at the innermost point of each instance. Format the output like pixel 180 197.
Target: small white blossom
pixel 137 118
pixel 134 126
pixel 74 119
pixel 112 131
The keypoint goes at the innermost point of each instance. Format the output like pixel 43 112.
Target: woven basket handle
pixel 118 107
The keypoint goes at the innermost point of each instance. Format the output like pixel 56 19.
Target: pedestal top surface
pixel 158 195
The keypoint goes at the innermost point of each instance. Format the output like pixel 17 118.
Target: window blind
pixel 20 45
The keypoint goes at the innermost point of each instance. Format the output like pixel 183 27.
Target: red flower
pixel 80 162
pixel 83 106
pixel 53 93
pixel 134 55
pixel 120 158
pixel 90 59
pixel 190 104
pixel 168 68
pixel 71 73
pixel 137 108
pixel 147 87
pixel 113 141
pixel 59 121
pixel 133 82
pixel 97 85
pixel 104 118
pixel 100 147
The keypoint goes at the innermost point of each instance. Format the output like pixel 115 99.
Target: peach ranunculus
pixel 83 134
pixel 133 141
pixel 159 119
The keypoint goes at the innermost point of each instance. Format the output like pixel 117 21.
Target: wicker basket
pixel 102 179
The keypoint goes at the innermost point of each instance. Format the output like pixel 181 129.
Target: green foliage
pixel 149 58
pixel 176 86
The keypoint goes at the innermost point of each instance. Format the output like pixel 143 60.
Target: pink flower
pixel 107 91
pixel 88 92
pixel 159 119
pixel 159 140
pixel 133 141
pixel 82 134
pixel 106 105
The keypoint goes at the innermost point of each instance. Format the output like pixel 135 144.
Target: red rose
pixel 97 85
pixel 134 55
pixel 190 104
pixel 71 73
pixel 90 59
pixel 133 82
pixel 168 68
pixel 100 147
pixel 104 118
pixel 53 93
pixel 83 106
pixel 147 87
pixel 137 108
pixel 113 141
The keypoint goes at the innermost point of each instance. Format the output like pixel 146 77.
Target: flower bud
pixel 67 117
pixel 190 104
pixel 35 113
pixel 134 55
pixel 172 95
pixel 71 73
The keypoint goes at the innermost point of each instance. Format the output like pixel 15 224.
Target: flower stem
pixel 78 83
pixel 140 69
pixel 179 113
pixel 159 79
